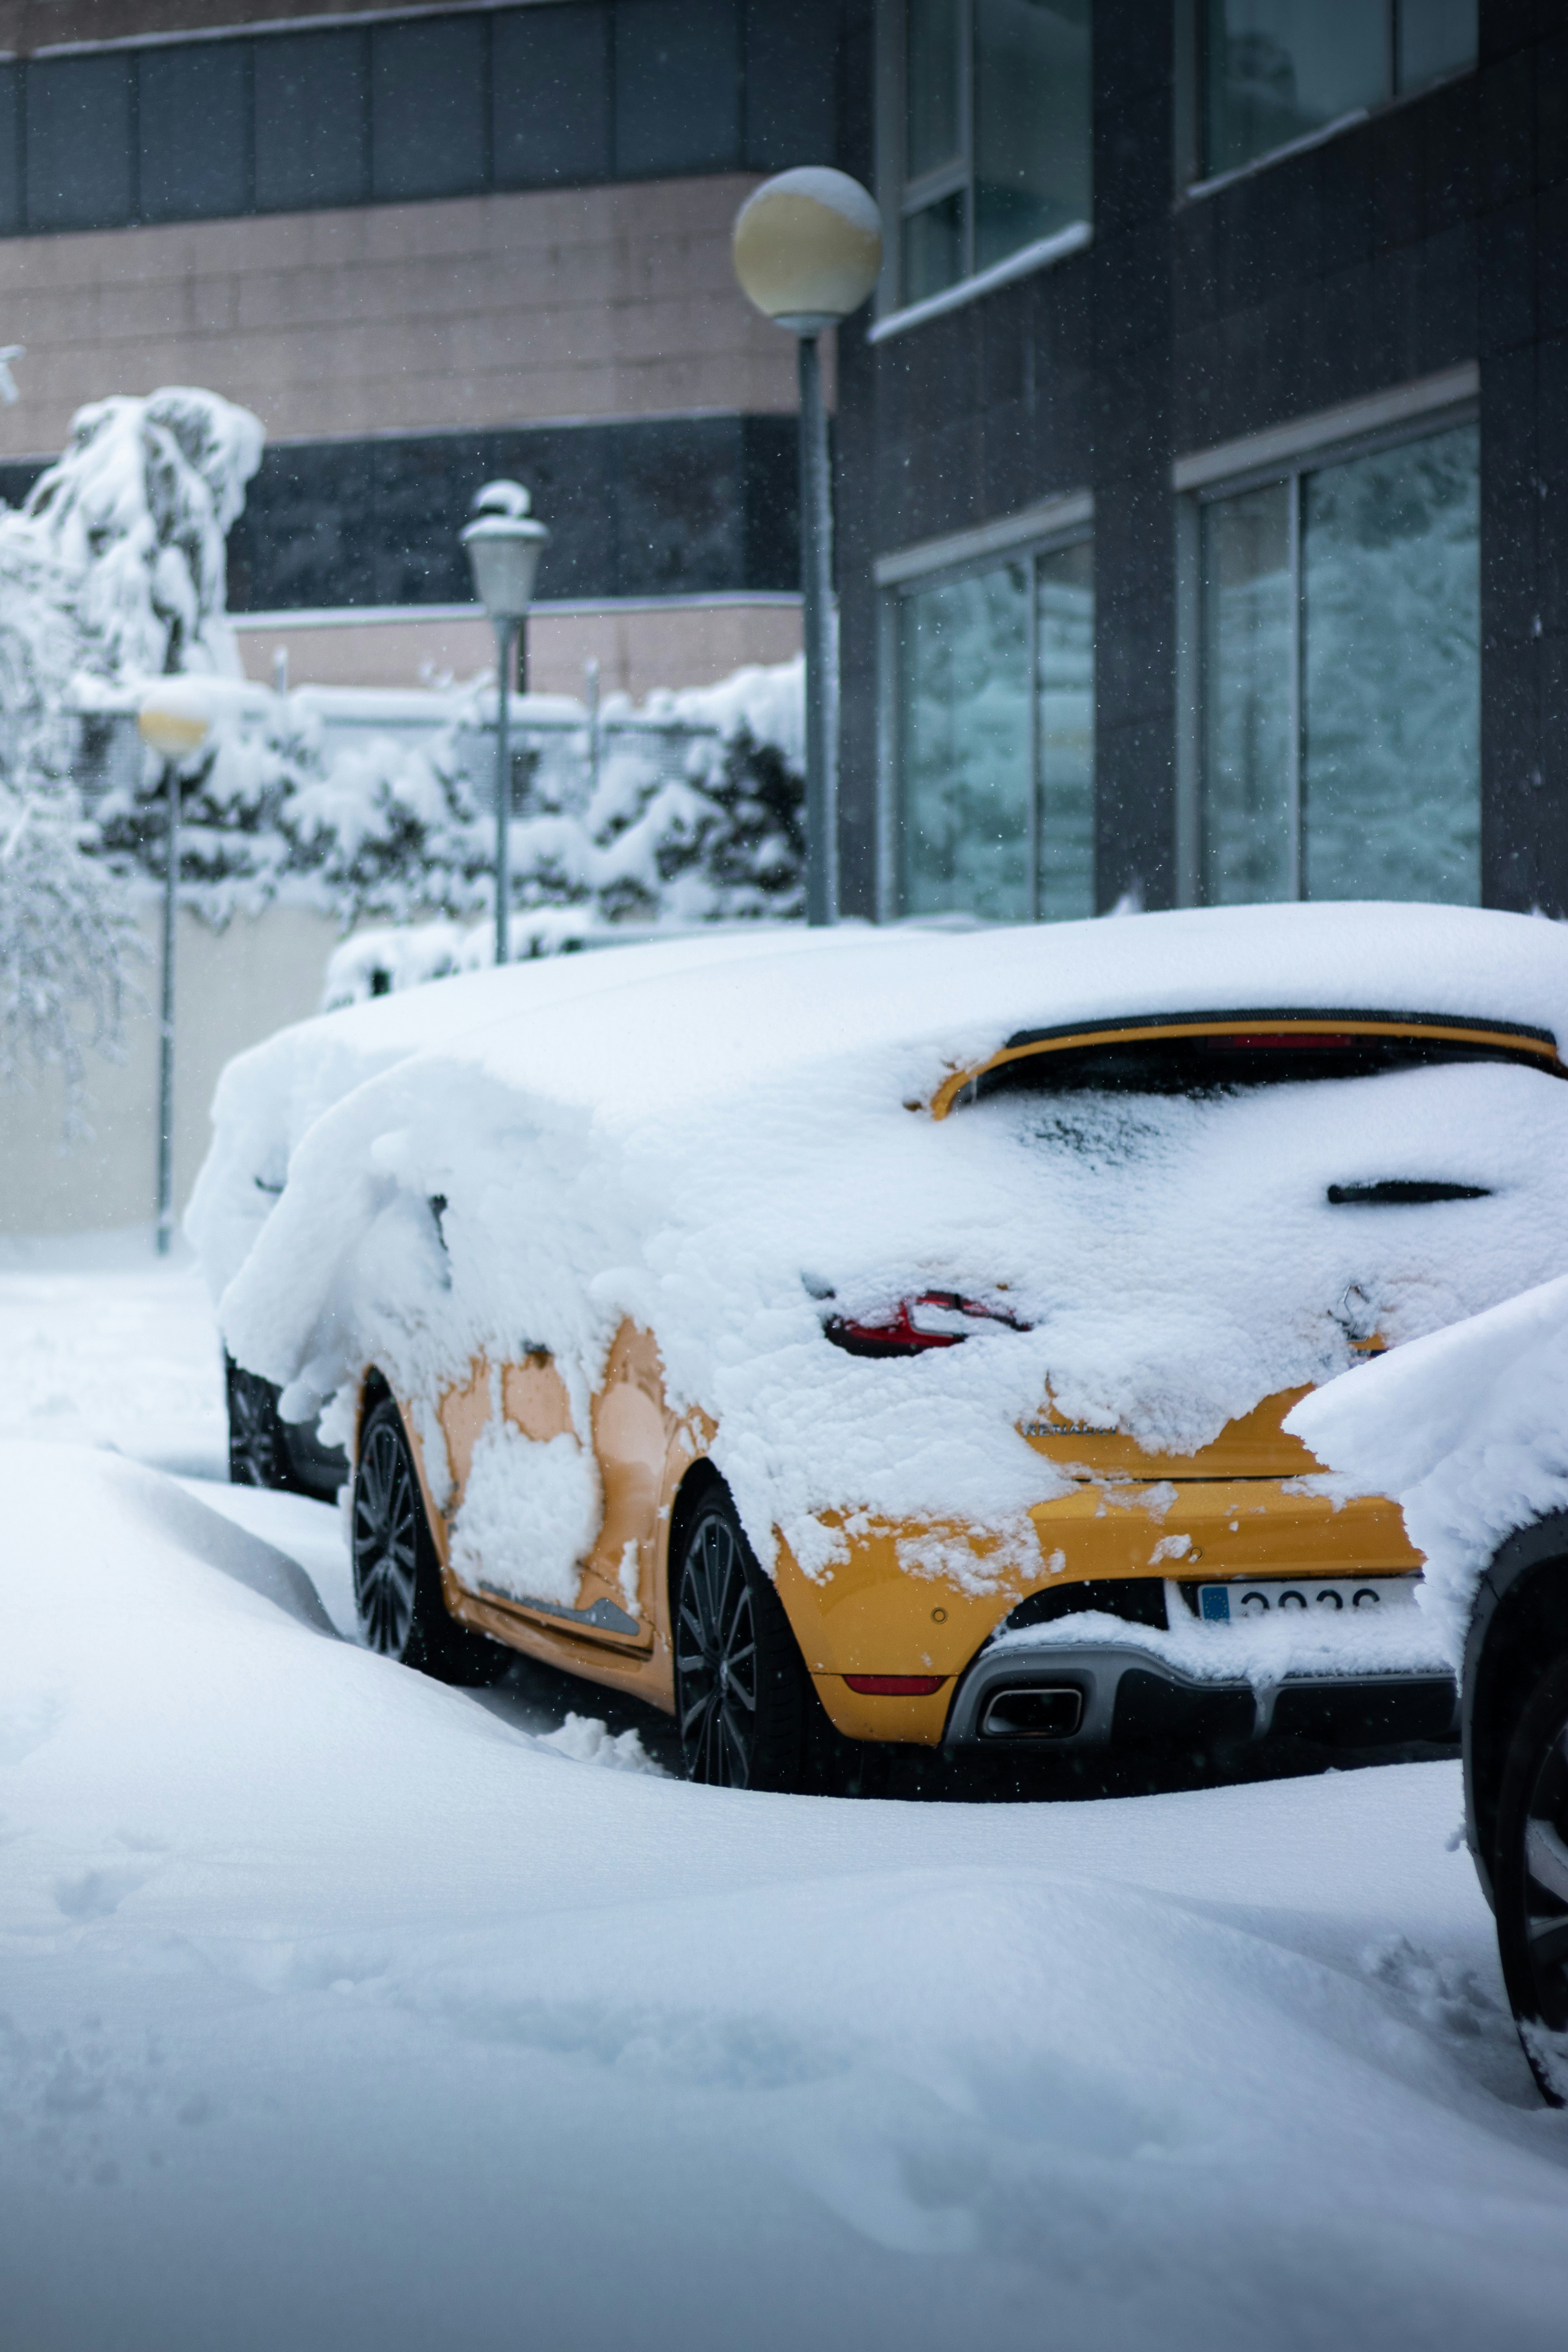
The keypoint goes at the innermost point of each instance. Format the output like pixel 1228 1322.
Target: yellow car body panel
pixel 918 1599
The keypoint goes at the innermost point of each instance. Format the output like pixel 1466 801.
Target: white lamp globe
pixel 175 717
pixel 807 247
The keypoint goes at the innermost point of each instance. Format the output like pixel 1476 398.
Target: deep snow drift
pixel 339 2012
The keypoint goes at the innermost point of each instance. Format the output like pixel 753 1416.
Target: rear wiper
pixel 1402 1193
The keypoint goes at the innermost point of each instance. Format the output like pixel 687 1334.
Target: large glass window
pixel 1340 634
pixel 1277 70
pixel 312 119
pixel 550 96
pixel 193 129
pixel 995 133
pixel 80 165
pixel 995 691
pixel 678 85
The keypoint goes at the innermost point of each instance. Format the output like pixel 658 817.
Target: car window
pixel 1205 1065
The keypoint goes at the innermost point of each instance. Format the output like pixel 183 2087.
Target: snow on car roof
pixel 706 1135
pixel 641 1025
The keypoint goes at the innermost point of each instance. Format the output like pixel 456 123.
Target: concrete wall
pixel 637 647
pixel 612 301
pixel 232 988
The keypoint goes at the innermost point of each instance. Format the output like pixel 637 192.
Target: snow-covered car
pixel 1469 1428
pixel 871 1338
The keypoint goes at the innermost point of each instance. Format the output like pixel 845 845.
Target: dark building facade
pixel 1203 471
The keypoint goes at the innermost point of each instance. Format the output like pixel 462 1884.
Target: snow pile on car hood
pixel 709 1141
pixel 1468 1427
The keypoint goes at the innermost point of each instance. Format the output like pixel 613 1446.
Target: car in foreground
pixel 864 1340
pixel 1469 1428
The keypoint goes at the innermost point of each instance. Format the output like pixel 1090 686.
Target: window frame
pixel 1290 467
pixel 898 205
pixel 1029 536
pixel 1195 177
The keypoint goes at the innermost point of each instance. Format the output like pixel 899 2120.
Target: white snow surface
pixel 1468 1427
pixel 337 2011
pixel 689 1135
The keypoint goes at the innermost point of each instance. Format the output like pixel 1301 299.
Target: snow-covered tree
pixel 113 569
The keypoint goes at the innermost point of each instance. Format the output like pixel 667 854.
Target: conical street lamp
pixel 807 250
pixel 504 546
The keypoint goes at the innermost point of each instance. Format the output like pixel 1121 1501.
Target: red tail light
pixel 917 1324
pixel 895 1685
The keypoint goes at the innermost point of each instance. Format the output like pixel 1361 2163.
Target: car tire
pixel 744 1698
pixel 1530 1877
pixel 258 1449
pixel 398 1600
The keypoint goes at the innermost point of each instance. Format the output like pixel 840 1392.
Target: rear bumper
pixel 1082 1697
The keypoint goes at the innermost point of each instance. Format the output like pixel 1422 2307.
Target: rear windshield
pixel 1205 1065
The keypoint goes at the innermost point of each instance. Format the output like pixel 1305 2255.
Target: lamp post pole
pixel 167 1011
pixel 504 545
pixel 175 721
pixel 807 249
pixel 506 637
pixel 816 623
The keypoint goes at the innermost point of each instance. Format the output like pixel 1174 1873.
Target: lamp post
pixel 807 250
pixel 504 546
pixel 175 721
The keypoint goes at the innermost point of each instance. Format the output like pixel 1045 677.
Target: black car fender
pixel 1518 1621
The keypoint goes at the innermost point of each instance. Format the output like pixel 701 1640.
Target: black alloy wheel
pixel 1530 1880
pixel 398 1598
pixel 258 1449
pixel 743 1695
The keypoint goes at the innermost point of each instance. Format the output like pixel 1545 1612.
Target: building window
pixel 1340 653
pixel 995 134
pixel 1277 70
pixel 444 103
pixel 996 737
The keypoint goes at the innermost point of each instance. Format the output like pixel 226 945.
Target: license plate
pixel 1246 1600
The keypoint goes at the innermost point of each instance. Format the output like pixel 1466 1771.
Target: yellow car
pixel 884 1338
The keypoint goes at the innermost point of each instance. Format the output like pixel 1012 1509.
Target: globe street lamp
pixel 807 250
pixel 504 546
pixel 175 720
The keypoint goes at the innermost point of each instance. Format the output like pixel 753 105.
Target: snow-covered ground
pixel 339 2009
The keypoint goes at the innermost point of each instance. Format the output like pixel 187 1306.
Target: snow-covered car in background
pixel 893 1332
pixel 1469 1428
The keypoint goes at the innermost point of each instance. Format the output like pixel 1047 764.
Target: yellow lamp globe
pixel 808 248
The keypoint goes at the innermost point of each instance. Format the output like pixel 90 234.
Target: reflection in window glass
pixel 1376 775
pixel 1031 122
pixel 931 81
pixel 1436 36
pixel 1064 672
pixel 1391 740
pixel 1247 653
pixel 965 738
pixel 997 796
pixel 1280 68
pixel 1276 70
pixel 933 247
pixel 996 132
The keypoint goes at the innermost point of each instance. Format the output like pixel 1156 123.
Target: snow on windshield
pixel 711 1148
